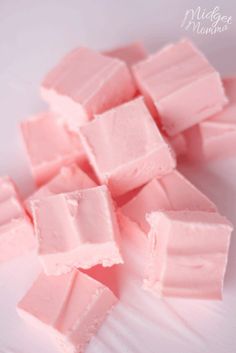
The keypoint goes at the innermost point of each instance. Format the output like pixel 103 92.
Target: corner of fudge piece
pixel 170 80
pixel 125 147
pixel 205 140
pixel 49 146
pixel 16 231
pixel 85 83
pixel 70 178
pixel 171 192
pixel 77 229
pixel 70 308
pixel 214 136
pixel 188 253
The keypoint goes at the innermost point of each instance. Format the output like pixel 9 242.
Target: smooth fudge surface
pixel 171 192
pixel 228 114
pixel 71 308
pixel 131 53
pixel 188 253
pixel 220 129
pixel 205 140
pixel 217 141
pixel 49 146
pixel 181 84
pixel 77 229
pixel 126 148
pixel 70 178
pixel 85 83
pixel 179 144
pixel 16 231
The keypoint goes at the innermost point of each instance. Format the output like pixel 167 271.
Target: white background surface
pixel 33 36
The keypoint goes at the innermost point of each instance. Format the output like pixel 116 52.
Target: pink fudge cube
pixel 77 229
pixel 131 53
pixel 171 192
pixel 205 141
pixel 126 148
pixel 70 178
pixel 16 231
pixel 70 308
pixel 188 253
pixel 85 83
pixel 181 84
pixel 49 146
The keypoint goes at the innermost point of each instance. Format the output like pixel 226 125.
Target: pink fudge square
pixel 85 83
pixel 70 308
pixel 181 84
pixel 171 192
pixel 188 253
pixel 205 141
pixel 16 231
pixel 77 229
pixel 69 178
pixel 131 53
pixel 126 148
pixel 49 146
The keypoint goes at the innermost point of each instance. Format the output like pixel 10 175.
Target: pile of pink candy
pixel 106 152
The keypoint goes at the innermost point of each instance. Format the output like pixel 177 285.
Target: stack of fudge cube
pixel 108 146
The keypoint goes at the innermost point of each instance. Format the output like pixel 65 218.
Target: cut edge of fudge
pixel 18 234
pixel 64 262
pixel 76 338
pixel 16 229
pixel 147 160
pixel 202 146
pixel 161 103
pixel 208 205
pixel 74 109
pixel 81 255
pixel 160 151
pixel 52 187
pixel 166 194
pixel 208 219
pixel 201 115
pixel 212 148
pixel 43 170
